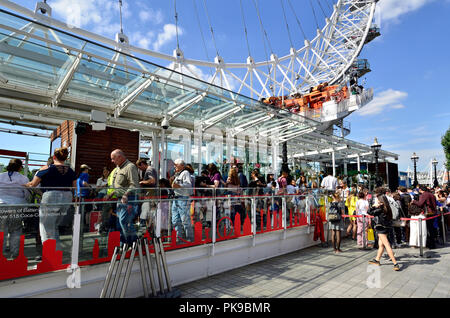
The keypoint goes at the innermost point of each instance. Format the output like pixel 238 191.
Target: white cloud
pixel 167 35
pixel 142 40
pixel 150 15
pixel 391 10
pixel 102 15
pixel 388 99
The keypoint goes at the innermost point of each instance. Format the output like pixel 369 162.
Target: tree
pixel 445 141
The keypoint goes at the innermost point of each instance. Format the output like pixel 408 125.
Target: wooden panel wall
pixel 94 147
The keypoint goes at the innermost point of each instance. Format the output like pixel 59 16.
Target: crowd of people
pixel 126 198
pixel 392 216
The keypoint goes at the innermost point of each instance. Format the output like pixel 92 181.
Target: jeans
pixel 50 216
pixel 181 218
pixel 12 225
pixel 126 214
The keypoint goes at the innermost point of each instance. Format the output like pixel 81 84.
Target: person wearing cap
pixel 83 187
pixel 84 190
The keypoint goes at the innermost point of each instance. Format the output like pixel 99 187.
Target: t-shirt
pixel 362 206
pixel 150 173
pixel 56 177
pixel 101 182
pixel 215 177
pixel 183 179
pixel 290 189
pixel 82 190
pixel 329 183
pixel 282 182
pixel 11 187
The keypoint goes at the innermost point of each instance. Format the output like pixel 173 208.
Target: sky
pixel 410 110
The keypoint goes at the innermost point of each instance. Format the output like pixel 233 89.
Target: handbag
pixel 399 223
pixel 370 235
pixel 333 214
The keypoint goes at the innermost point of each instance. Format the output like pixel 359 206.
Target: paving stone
pixel 317 272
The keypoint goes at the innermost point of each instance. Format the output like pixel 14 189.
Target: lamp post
pixel 376 148
pixel 415 158
pixel 436 182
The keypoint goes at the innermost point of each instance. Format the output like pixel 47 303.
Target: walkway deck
pixel 317 272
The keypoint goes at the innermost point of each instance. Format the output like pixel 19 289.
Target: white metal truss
pixel 122 106
pixel 326 58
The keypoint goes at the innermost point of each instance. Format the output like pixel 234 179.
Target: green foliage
pixel 445 141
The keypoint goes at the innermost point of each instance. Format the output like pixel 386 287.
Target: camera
pixel 165 123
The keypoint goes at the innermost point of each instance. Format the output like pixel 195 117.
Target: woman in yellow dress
pixel 350 203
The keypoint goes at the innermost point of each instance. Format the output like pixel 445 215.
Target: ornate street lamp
pixel 376 148
pixel 415 158
pixel 436 182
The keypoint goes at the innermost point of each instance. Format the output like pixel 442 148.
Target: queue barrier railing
pixel 79 241
pixel 420 219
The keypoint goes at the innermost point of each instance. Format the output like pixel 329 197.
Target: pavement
pixel 317 272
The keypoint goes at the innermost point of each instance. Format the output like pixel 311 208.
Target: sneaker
pixel 396 267
pixel 374 262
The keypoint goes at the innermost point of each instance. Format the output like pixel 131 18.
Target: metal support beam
pixel 218 118
pixel 178 110
pixel 64 83
pixel 333 162
pixel 123 105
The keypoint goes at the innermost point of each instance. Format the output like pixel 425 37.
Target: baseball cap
pixel 85 166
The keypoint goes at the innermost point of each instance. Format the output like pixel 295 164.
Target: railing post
pixel 364 231
pixel 443 228
pixel 214 225
pixel 253 210
pixel 283 220
pixel 158 213
pixel 420 237
pixel 76 233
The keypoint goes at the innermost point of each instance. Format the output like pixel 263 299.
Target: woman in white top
pixel 362 207
pixel 12 191
pixel 102 183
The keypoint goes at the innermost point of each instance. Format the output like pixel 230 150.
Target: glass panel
pixel 37 236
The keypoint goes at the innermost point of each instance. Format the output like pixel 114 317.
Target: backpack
pixel 395 207
pixel 334 213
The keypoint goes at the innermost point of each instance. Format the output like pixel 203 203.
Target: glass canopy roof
pixel 74 73
pixel 66 75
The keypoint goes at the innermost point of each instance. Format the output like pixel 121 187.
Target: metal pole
pixel 253 210
pixel 141 264
pixel 158 266
pixel 109 273
pixel 164 262
pixel 128 270
pixel 150 269
pixel 420 237
pixel 119 271
pixel 443 228
pixel 214 220
pixel 364 231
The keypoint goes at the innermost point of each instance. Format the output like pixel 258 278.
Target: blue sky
pixel 409 61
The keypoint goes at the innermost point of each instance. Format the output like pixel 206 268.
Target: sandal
pixel 396 267
pixel 374 262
